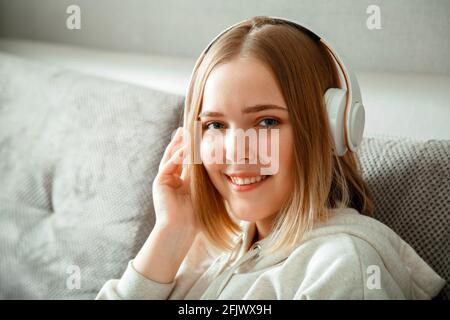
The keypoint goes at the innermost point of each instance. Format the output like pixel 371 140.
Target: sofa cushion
pixel 410 182
pixel 77 158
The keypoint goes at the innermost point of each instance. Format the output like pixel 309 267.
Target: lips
pixel 245 182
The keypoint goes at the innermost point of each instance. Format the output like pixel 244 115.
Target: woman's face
pixel 242 96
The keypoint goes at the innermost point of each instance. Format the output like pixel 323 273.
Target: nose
pixel 241 146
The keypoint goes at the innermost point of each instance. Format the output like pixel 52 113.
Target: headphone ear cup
pixel 335 99
pixel 355 124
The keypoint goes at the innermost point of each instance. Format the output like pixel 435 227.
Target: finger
pixel 175 163
pixel 179 169
pixel 183 161
pixel 172 181
pixel 177 137
pixel 171 147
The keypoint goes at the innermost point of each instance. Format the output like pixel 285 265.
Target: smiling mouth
pixel 246 183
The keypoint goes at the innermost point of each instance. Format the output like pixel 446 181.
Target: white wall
pixel 414 35
pixel 397 104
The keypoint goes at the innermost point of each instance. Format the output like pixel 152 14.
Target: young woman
pixel 224 230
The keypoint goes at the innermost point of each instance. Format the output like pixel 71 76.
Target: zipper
pixel 253 253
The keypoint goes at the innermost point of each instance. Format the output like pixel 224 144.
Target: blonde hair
pixel 304 70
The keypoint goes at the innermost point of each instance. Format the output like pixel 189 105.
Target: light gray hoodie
pixel 350 256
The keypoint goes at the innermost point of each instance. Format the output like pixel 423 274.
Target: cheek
pixel 213 170
pixel 216 177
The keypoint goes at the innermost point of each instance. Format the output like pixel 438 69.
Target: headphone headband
pixel 349 78
pixel 353 122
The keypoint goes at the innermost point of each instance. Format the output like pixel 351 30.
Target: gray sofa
pixel 77 158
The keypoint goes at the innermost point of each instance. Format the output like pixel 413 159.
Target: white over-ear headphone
pixel 344 106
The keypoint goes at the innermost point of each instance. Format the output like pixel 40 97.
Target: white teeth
pixel 245 181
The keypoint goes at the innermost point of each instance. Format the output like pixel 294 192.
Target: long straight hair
pixel 304 70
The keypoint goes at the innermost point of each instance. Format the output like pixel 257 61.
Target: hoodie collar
pixel 245 246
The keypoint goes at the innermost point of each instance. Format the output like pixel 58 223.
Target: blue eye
pixel 214 125
pixel 268 122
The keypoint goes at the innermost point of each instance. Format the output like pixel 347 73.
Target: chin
pixel 244 217
pixel 249 213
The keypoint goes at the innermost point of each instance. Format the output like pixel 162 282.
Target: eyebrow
pixel 252 109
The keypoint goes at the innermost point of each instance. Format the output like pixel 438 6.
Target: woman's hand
pixel 171 195
pixel 175 229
